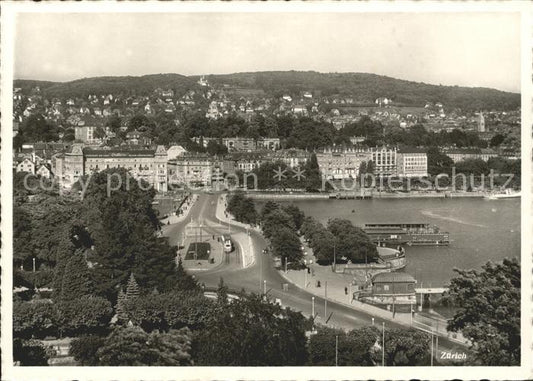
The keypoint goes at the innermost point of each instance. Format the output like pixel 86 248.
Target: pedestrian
pixel 345 290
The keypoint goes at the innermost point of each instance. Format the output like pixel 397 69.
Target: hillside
pixel 365 88
pixel 127 85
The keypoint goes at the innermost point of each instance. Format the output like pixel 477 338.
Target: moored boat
pixel 411 234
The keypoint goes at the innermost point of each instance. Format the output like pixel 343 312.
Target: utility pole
pixel 383 347
pixel 431 347
pixel 313 306
pixel 334 258
pixel 437 345
pixel 264 286
pixel 286 259
pixel 336 350
pixel 326 300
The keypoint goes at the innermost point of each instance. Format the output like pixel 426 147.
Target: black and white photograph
pixel 304 191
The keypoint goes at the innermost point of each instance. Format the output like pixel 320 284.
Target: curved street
pixel 263 273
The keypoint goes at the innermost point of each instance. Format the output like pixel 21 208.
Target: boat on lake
pixel 411 234
pixel 508 193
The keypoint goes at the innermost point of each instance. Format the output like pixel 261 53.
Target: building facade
pixel 384 160
pixel 147 164
pixel 342 163
pixel 412 163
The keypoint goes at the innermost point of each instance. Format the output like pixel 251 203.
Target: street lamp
pixel 313 306
pixel 383 347
pixel 336 350
pixel 264 286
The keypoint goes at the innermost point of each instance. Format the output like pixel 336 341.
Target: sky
pixel 464 49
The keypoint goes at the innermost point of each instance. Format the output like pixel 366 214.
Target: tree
pixel 173 310
pixel 488 312
pixel 496 140
pixel 407 347
pixel 29 353
pixel 132 289
pixel 123 226
pixel 438 162
pixel 286 244
pixel 119 308
pixel 34 319
pixel 99 133
pixel 184 281
pixel 222 293
pixel 86 315
pixel 354 348
pixel 296 214
pixel 252 331
pixel 84 349
pixel 268 207
pixel 276 221
pixel 131 346
pixel 352 242
pixel 76 279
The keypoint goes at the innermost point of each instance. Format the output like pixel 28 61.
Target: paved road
pixel 252 278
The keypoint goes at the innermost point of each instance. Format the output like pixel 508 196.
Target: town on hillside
pixel 212 129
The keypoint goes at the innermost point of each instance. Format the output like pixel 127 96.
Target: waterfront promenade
pixel 336 286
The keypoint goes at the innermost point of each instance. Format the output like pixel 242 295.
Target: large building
pixel 342 163
pixel 471 153
pixel 147 164
pixel 191 169
pixel 412 162
pixel 384 160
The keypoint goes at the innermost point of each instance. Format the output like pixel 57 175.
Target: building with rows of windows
pixel 143 163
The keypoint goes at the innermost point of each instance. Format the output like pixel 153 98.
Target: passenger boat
pixel 417 234
pixel 507 194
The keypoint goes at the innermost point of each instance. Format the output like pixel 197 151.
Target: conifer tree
pixel 76 278
pixel 119 308
pixel 222 292
pixel 185 282
pixel 132 290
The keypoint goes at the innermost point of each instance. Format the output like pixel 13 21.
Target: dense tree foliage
pixel 34 319
pixel 123 226
pixel 488 314
pixel 36 129
pixel 29 353
pixel 340 240
pixel 242 208
pixel 365 88
pixel 407 347
pixel 252 332
pixel 76 279
pixel 131 346
pixel 356 347
pixel 84 349
pixel 170 311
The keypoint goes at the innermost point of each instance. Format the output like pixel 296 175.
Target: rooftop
pixel 395 277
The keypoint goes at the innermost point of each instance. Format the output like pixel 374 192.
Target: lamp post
pixel 264 286
pixel 336 350
pixel 431 347
pixel 313 306
pixel 383 347
pixel 326 300
pixel 33 264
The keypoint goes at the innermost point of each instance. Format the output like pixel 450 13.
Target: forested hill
pixel 361 87
pixel 127 85
pixel 365 88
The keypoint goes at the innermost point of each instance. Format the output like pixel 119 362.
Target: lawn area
pixel 203 250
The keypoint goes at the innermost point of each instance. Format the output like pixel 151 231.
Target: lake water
pixel 480 230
